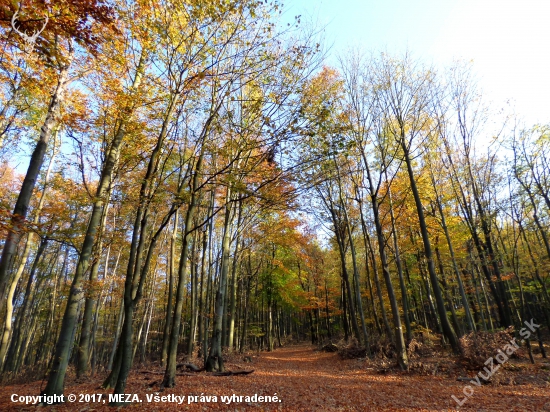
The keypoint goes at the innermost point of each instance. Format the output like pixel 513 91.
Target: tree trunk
pixel 194 278
pixel 83 355
pixel 399 266
pixel 215 359
pixel 23 263
pixel 398 338
pixel 56 378
pixel 443 222
pixel 11 360
pixel 447 329
pixel 169 304
pixel 170 373
pixel 233 289
pixel 25 194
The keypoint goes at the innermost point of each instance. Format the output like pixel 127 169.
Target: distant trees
pixel 402 139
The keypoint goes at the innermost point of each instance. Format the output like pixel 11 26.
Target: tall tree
pixel 71 22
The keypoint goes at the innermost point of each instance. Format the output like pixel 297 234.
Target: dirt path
pixel 303 380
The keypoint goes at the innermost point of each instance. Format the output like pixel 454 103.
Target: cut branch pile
pixel 189 366
pixel 383 349
pixel 352 350
pixel 329 347
pixel 477 347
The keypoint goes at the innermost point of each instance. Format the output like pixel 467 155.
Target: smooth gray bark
pixel 35 165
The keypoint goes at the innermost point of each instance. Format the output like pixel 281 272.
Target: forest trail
pixel 305 380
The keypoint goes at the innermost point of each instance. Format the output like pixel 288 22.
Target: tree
pixel 405 95
pixel 55 45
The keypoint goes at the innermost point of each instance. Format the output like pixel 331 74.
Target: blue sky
pixel 508 41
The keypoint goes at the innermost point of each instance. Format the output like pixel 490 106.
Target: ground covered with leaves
pixel 304 378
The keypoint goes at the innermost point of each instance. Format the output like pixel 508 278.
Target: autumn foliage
pixel 185 185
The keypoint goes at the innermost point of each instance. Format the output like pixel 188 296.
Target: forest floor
pixel 305 379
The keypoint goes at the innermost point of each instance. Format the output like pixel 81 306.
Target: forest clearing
pixel 194 202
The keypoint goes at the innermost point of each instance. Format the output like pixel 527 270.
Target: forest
pixel 190 181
